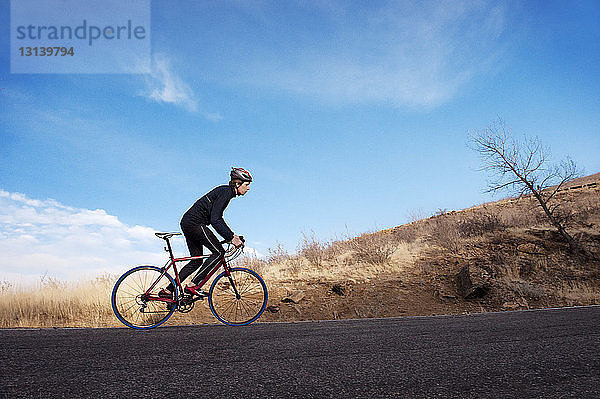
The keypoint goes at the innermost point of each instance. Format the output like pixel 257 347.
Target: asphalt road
pixel 533 354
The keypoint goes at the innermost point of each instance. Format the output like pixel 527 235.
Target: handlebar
pixel 232 251
pixel 229 242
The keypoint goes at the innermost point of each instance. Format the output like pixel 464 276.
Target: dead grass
pixel 53 303
pixel 250 261
pixel 313 250
pixel 373 248
pixel 358 259
pixel 523 289
pixel 578 293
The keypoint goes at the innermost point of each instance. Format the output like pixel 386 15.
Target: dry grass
pixel 358 259
pixel 523 289
pixel 53 303
pixel 376 249
pixel 251 262
pixel 578 293
pixel 313 250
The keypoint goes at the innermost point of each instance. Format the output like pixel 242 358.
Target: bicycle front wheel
pixel 134 305
pixel 238 299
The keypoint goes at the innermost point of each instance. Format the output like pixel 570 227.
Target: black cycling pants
pixel 196 236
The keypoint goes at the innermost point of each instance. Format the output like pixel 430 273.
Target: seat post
pixel 170 249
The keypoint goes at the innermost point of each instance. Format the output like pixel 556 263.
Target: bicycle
pixel 237 296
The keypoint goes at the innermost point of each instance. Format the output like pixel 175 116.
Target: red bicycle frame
pixel 173 262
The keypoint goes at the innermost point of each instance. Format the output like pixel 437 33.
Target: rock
pixel 273 308
pixel 294 297
pixel 444 295
pixel 338 289
pixel 472 282
pixel 510 305
pixel 530 248
pixel 523 303
pixel 520 303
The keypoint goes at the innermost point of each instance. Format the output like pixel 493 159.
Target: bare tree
pixel 523 167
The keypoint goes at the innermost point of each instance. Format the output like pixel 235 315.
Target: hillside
pixel 491 257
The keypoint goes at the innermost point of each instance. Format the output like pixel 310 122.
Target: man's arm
pixel 216 215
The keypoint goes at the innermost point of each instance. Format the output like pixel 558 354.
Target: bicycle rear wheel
pixel 131 304
pixel 240 305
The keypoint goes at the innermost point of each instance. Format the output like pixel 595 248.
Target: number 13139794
pixel 46 51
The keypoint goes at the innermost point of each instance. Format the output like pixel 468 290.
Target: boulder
pixel 273 308
pixel 472 282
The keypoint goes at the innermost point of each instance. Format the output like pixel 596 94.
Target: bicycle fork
pixel 228 272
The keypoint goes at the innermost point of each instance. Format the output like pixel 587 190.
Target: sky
pixel 351 116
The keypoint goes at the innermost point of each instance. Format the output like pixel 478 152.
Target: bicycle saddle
pixel 165 236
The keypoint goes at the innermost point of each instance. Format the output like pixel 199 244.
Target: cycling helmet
pixel 240 174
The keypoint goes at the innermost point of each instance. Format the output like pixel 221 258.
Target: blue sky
pixel 350 116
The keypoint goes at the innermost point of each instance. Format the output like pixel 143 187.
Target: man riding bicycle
pixel 208 211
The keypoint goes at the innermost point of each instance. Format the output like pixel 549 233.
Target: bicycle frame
pixel 231 253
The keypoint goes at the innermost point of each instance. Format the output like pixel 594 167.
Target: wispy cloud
pixel 164 86
pixel 403 53
pixel 45 237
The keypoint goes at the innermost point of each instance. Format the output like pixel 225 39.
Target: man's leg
pixel 193 238
pixel 211 242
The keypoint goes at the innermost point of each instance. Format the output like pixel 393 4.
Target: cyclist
pixel 208 210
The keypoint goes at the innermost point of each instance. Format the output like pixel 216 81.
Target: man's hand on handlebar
pixel 237 241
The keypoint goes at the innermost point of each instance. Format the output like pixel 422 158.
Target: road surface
pixel 531 354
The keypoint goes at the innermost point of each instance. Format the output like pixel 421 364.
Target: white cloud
pixel 164 86
pixel 45 237
pixel 402 53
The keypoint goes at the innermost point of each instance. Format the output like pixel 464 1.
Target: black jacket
pixel 208 210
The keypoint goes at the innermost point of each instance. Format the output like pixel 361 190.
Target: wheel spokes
pixel 238 310
pixel 128 295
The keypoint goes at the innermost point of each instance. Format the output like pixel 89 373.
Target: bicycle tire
pixel 128 305
pixel 238 311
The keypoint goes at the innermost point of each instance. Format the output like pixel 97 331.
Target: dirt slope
pixel 506 248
